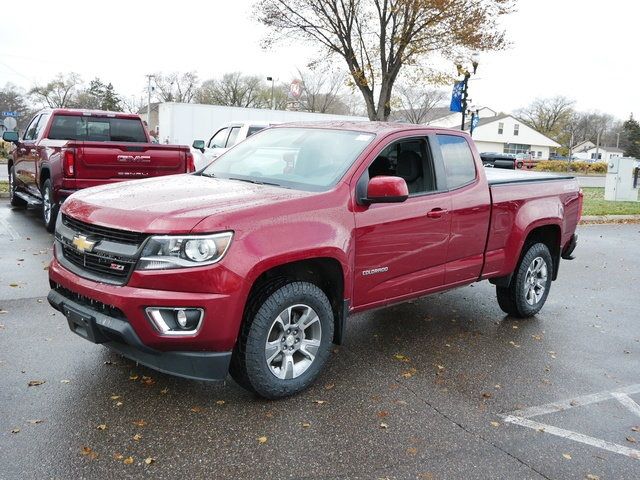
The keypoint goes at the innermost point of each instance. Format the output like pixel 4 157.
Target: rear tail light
pixel 580 203
pixel 69 160
pixel 191 164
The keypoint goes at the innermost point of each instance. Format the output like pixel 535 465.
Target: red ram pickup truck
pixel 252 265
pixel 64 150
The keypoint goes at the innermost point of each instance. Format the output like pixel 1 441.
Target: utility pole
pixel 597 146
pixel 618 140
pixel 149 77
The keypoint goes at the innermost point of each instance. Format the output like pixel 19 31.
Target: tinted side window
pixel 218 140
pixel 30 132
pixel 233 135
pixel 458 160
pixel 44 119
pixel 254 129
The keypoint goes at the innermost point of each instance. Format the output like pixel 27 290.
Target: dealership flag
pixel 475 121
pixel 456 97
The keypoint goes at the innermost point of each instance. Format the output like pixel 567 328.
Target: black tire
pixel 249 367
pixel 13 199
pixel 515 299
pixel 49 207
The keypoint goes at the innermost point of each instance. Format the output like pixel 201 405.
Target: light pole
pixel 273 100
pixel 149 77
pixel 465 83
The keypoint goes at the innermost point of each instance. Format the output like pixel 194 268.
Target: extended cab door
pixel 470 208
pixel 401 248
pixel 27 154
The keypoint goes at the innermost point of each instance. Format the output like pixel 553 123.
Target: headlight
pixel 182 251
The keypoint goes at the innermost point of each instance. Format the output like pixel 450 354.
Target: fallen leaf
pixel 329 386
pixel 15 430
pixel 402 358
pixel 35 383
pixel 118 404
pixel 133 377
pixel 383 413
pixel 128 461
pixel 515 327
pixel 495 424
pixel 635 429
pixel 86 450
pixel 118 456
pixel 2 312
pixel 486 395
pixel 573 403
pixel 139 423
pixel 514 344
pixel 592 477
pixel 102 426
pixel 631 439
pixel 36 421
pixel 196 409
pixel 305 425
pixel 14 285
pixel 220 402
pixel 149 460
pixel 412 450
pixel 566 456
pixel 440 367
pixel 115 397
pixel 262 440
pixel 148 380
pixel 65 381
pixel 137 437
pixel 320 402
pixel 164 390
pixel 384 425
pixel 537 337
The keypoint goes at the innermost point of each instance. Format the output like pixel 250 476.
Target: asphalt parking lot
pixel 443 387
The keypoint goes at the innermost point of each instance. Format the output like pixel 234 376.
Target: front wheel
pixel 285 340
pixel 529 287
pixel 49 207
pixel 13 198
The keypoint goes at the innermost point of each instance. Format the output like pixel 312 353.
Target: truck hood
pixel 170 204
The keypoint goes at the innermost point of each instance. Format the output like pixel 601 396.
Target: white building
pixel 601 154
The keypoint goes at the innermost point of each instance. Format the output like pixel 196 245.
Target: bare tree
pixel 415 103
pixel 14 99
pixel 59 92
pixel 548 116
pixel 321 91
pixel 174 87
pixel 233 89
pixel 377 38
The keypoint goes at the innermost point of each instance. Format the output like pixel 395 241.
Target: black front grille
pixel 111 267
pixel 103 233
pixel 95 305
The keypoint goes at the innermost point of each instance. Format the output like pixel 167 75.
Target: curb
pixel 587 219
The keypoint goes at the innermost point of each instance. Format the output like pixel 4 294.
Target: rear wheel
pixel 529 287
pixel 285 341
pixel 49 207
pixel 13 199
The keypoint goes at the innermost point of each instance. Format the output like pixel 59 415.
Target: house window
pixel 515 148
pixel 500 128
pixel 539 154
pixel 516 129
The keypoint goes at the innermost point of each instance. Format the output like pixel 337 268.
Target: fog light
pixel 182 318
pixel 175 321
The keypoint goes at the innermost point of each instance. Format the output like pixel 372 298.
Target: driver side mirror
pixel 10 136
pixel 198 145
pixel 387 189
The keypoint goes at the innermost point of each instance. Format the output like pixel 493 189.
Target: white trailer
pixel 182 123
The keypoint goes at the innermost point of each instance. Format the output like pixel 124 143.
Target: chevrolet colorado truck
pixel 65 150
pixel 253 265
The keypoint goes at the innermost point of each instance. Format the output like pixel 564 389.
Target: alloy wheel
pixel 535 281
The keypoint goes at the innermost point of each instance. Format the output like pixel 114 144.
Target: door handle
pixel 436 213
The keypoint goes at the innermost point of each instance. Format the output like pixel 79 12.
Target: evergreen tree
pixel 110 100
pixel 631 138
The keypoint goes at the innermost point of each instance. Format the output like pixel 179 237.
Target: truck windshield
pixel 302 158
pixel 97 129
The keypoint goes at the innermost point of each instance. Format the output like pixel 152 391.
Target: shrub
pixel 599 167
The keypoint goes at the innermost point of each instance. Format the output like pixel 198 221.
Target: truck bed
pixel 498 176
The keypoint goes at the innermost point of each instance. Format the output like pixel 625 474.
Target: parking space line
pixel 575 436
pixel 627 402
pixel 6 227
pixel 575 402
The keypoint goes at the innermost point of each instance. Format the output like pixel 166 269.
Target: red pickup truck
pixel 64 150
pixel 253 264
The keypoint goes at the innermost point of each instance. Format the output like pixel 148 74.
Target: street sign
pixel 295 89
pixel 10 123
pixel 10 114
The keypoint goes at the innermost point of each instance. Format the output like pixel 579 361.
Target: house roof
pixel 527 135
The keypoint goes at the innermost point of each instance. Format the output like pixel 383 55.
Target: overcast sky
pixel 586 50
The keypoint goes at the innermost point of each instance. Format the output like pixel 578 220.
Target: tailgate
pixel 108 160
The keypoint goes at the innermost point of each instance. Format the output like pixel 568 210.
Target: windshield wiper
pixel 257 182
pixel 210 175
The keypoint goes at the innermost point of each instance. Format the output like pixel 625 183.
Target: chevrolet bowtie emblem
pixel 82 244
